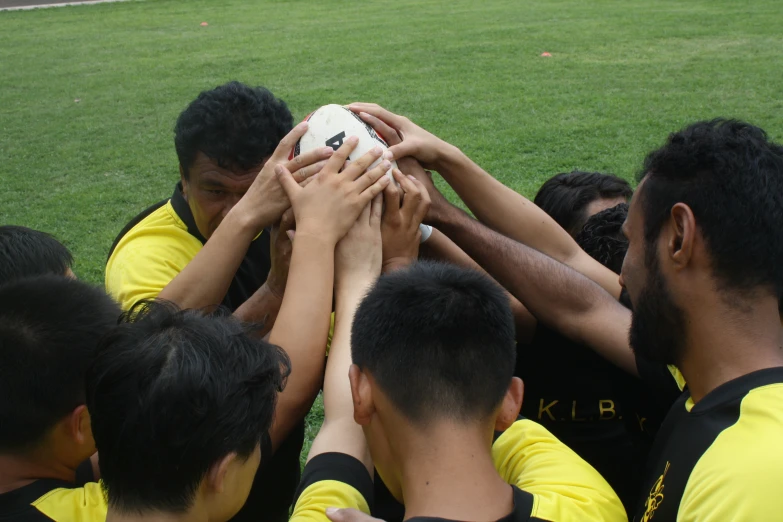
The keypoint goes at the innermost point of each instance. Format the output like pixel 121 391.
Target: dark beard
pixel 658 324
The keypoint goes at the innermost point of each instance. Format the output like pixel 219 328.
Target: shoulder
pixel 149 256
pixel 332 480
pixel 161 228
pixel 82 504
pixel 563 485
pixel 739 475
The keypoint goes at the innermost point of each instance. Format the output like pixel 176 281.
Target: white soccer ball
pixel 332 124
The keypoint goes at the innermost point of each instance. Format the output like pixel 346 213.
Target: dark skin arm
pixel 439 247
pixel 555 294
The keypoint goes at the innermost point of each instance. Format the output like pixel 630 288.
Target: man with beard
pixel 704 230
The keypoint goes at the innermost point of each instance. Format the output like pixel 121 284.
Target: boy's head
pixel 50 327
pixel 25 252
pixel 432 345
pixel 602 237
pixel 571 198
pixel 181 403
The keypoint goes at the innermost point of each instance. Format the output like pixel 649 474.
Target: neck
pixel 730 343
pixel 156 516
pixel 19 471
pixel 447 472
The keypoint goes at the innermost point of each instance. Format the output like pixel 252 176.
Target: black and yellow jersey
pixel 332 480
pixel 50 500
pixel 148 253
pixel 609 418
pixel 159 243
pixel 719 459
pixel 552 483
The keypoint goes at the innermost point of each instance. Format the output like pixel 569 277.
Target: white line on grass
pixel 44 6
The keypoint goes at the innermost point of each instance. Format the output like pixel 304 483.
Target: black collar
pixel 182 209
pixel 19 500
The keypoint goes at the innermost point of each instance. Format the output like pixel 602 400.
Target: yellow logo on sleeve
pixel 655 498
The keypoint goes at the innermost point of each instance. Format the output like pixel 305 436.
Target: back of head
pixel 603 239
pixel 566 196
pixel 731 176
pixel 50 327
pixel 172 393
pixel 25 252
pixel 233 124
pixel 438 340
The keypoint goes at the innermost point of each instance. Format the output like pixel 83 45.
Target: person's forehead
pixel 208 169
pixel 634 208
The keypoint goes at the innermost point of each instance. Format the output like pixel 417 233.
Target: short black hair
pixel 233 124
pixel 439 340
pixel 731 176
pixel 565 196
pixel 50 327
pixel 171 393
pixel 25 252
pixel 603 239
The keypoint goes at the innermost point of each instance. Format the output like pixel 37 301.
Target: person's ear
pixel 361 392
pixel 80 427
pixel 216 476
pixel 682 235
pixel 512 402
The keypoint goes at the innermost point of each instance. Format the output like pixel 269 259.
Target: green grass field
pixel 89 94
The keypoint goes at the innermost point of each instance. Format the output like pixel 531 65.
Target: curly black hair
pixel 603 239
pixel 235 125
pixel 730 174
pixel 565 196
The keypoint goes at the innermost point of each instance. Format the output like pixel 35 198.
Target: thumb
pixel 287 181
pixel 401 150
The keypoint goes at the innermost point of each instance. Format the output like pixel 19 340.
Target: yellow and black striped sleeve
pixel 332 480
pixel 564 487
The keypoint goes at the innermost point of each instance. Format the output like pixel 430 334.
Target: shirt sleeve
pixel 146 260
pixel 332 480
pixel 565 487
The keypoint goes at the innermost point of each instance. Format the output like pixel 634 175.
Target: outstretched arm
pixel 493 203
pixel 324 211
pixel 440 248
pixel 554 293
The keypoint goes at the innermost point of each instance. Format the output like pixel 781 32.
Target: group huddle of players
pixel 596 354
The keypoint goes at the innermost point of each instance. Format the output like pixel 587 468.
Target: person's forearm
pixel 261 308
pixel 440 248
pixel 206 279
pixel 339 432
pixel 302 327
pixel 504 210
pixel 554 293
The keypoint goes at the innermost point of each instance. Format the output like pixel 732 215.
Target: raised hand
pixel 416 142
pixel 281 253
pixel 265 200
pixel 330 204
pixel 406 206
pixel 358 255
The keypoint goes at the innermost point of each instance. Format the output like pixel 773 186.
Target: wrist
pixel 396 263
pixel 274 287
pixel 352 288
pixel 314 236
pixel 447 157
pixel 254 218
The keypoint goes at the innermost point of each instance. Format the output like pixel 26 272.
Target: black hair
pixel 731 176
pixel 603 239
pixel 235 125
pixel 50 327
pixel 171 393
pixel 439 340
pixel 25 252
pixel 566 196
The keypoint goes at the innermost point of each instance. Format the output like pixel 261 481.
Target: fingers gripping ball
pixel 331 125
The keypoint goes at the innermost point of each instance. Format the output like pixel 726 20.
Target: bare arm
pixel 206 279
pixel 324 211
pixel 553 292
pixel 493 203
pixel 440 247
pixel 358 264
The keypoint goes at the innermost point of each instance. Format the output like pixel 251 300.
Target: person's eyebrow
pixel 211 181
